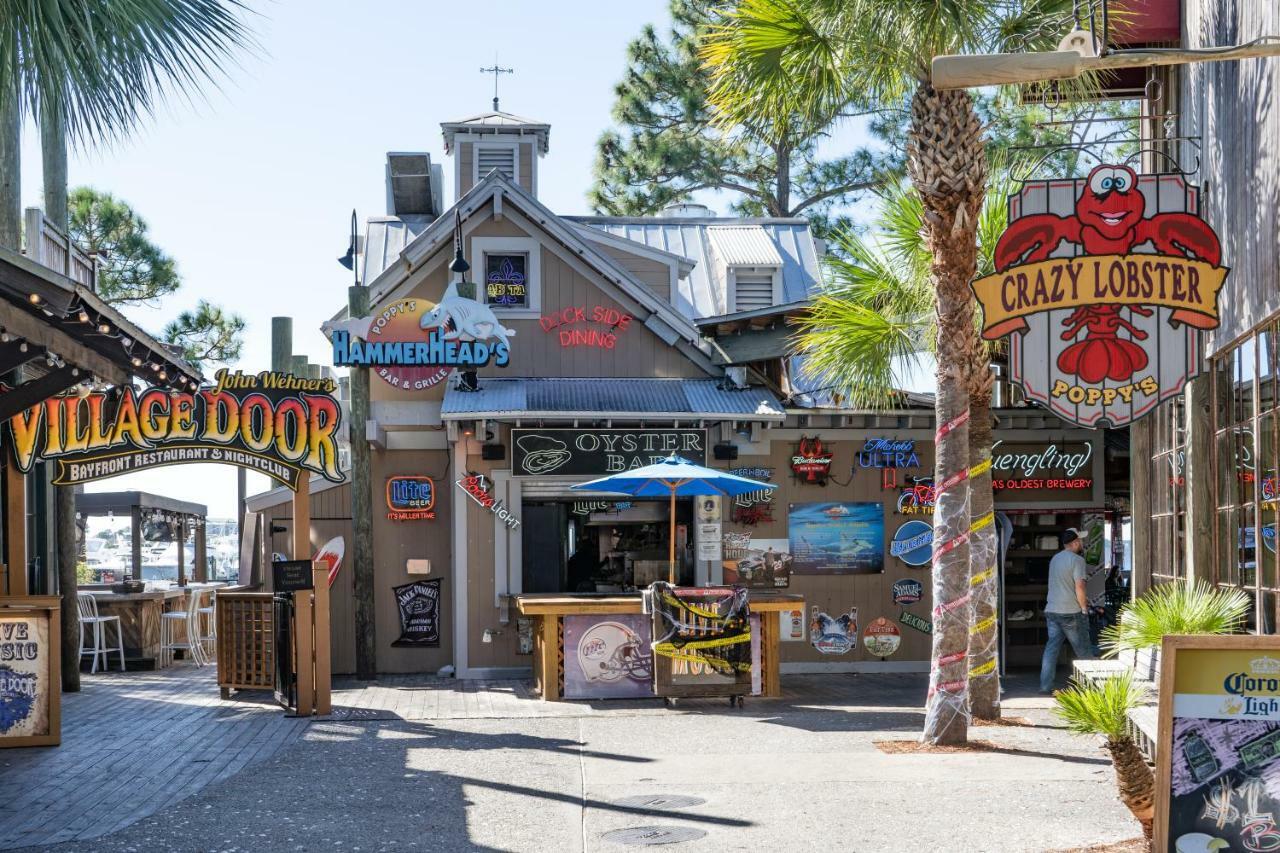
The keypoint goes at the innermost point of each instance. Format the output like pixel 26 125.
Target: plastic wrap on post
pixel 983 586
pixel 948 698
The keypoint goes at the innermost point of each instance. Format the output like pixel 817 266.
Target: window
pixel 507 274
pixel 1168 492
pixel 506 280
pixel 500 156
pixel 753 289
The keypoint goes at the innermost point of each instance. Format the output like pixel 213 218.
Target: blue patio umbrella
pixel 674 477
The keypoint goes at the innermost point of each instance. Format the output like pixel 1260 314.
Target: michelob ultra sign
pixel 274 423
pixel 1103 285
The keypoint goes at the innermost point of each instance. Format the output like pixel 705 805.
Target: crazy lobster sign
pixel 1103 285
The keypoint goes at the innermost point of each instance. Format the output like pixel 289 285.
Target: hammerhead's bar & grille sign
pixel 274 423
pixel 537 452
pixel 1103 285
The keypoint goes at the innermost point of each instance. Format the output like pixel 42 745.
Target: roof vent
pixel 687 210
pixel 410 186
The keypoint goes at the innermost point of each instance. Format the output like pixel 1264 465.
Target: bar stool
pixel 209 624
pixel 189 617
pixel 87 606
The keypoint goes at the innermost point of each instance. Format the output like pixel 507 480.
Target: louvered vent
pixel 502 159
pixel 752 291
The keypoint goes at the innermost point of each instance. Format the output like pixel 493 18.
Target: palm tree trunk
pixel 10 173
pixel 1135 781
pixel 984 548
pixel 947 165
pixel 53 150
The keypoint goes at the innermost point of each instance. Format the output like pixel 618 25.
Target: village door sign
pixel 1103 285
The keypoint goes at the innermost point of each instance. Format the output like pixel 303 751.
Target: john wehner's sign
pixel 538 452
pixel 1103 286
pixel 274 423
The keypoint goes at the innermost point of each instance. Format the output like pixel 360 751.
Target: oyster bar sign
pixel 592 452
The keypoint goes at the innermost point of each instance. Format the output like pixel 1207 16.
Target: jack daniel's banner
pixel 419 606
pixel 274 423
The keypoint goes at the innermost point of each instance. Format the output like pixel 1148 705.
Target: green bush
pixel 1176 608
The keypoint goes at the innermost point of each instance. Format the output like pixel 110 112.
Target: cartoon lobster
pixel 1108 220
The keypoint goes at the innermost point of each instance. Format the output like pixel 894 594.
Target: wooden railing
pixel 246 642
pixel 49 247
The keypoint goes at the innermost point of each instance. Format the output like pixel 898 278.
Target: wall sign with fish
pixel 593 452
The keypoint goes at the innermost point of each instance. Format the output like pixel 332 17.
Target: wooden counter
pixel 139 614
pixel 549 610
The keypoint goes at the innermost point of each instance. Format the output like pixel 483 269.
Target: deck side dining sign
pixel 1103 285
pixel 274 423
pixel 541 452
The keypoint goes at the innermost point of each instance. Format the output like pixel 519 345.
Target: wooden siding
pixel 655 274
pixel 466 153
pixel 527 165
pixel 1231 105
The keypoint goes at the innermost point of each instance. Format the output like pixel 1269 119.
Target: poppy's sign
pixel 410 498
pixel 274 423
pixel 1103 285
pixel 537 452
pixel 812 461
pixel 412 344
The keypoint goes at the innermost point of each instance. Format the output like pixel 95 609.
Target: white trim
pixel 801 667
pixel 628 417
pixel 514 147
pixel 515 546
pixel 528 246
pixel 461 506
pixel 775 272
pixel 501 538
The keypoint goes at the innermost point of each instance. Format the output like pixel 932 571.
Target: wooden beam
pixel 323 665
pixel 15 530
pixel 135 544
pixel 302 517
pixel 36 391
pixel 23 325
pixel 12 355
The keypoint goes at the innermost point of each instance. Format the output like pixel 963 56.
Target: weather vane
pixel 496 70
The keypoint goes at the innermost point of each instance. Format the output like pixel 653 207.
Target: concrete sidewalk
pixel 793 774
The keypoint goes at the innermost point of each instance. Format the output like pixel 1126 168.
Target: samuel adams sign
pixel 593 452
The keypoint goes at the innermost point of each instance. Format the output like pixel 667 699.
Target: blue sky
pixel 251 187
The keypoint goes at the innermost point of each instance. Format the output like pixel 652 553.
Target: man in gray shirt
pixel 1067 609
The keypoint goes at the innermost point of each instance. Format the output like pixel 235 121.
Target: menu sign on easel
pixel 1218 752
pixel 30 688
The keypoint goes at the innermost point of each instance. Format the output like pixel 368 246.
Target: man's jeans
pixel 1063 626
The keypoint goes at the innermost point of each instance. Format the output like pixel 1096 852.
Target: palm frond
pixel 1102 708
pixel 1176 608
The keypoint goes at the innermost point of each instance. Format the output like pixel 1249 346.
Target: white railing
pixel 49 247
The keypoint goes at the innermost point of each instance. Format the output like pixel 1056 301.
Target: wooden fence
pixel 246 642
pixel 49 247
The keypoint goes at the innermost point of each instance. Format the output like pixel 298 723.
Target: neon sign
pixel 410 498
pixel 568 325
pixel 811 462
pixel 476 488
pixel 888 453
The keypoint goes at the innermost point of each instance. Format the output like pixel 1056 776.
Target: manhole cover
pixel 638 836
pixel 659 801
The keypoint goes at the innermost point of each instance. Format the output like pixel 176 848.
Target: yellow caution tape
pixel 984 668
pixel 981 468
pixel 703 644
pixel 982 577
pixel 718 664
pixel 692 608
pixel 979 627
pixel 982 522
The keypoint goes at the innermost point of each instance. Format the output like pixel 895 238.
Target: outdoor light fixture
pixel 83 316
pixel 35 299
pixel 137 362
pixel 104 328
pixel 22 347
pixel 489 634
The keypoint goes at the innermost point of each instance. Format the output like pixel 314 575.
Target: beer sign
pixel 410 498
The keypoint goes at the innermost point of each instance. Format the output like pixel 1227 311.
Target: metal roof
pixel 495 121
pixel 602 398
pixel 705 291
pixel 744 245
pixel 385 238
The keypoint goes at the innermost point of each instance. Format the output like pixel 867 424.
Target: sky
pixel 250 186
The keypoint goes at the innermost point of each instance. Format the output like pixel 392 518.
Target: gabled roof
pixel 566 398
pixel 495 122
pixel 705 291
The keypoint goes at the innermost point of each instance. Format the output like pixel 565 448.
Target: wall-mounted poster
pixel 881 638
pixel 833 635
pixel 607 657
pixel 907 591
pixel 28 695
pixel 836 538
pixel 419 605
pixel 757 564
pixel 1217 763
pixel 913 543
pixel 1103 285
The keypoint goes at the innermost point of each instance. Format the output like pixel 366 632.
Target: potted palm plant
pixel 1173 608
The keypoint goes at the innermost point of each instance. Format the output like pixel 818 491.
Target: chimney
pixel 414 185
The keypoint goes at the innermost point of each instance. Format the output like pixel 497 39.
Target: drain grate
pixel 659 801
pixel 643 836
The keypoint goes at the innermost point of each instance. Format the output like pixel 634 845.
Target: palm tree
pixel 1102 708
pixel 88 71
pixel 816 58
pixel 1176 608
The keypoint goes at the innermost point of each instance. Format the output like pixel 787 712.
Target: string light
pixel 104 328
pixel 35 299
pixel 83 316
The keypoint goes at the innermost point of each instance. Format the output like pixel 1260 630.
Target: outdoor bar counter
pixel 549 609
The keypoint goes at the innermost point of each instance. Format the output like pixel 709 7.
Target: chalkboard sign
pixel 291 575
pixel 1218 759
pixel 419 605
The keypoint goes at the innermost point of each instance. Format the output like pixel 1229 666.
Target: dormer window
pixel 511 271
pixel 753 288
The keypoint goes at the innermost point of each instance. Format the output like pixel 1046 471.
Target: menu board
pixel 1218 770
pixel 29 668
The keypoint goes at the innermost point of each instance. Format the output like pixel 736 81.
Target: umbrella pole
pixel 671 571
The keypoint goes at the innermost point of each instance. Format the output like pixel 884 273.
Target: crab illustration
pixel 1108 219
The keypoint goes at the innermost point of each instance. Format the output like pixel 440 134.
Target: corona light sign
pixel 274 423
pixel 1103 286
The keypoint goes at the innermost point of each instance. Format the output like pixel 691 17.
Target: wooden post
pixel 303 650
pixel 770 651
pixel 135 544
pixel 202 554
pixel 302 517
pixel 15 533
pixel 1197 470
pixel 549 657
pixel 1140 504
pixel 362 507
pixel 182 550
pixel 323 699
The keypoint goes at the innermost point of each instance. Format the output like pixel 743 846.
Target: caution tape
pixel 718 664
pixel 985 668
pixel 982 522
pixel 950 545
pixel 979 627
pixel 982 577
pixel 703 644
pixel 951 425
pixel 951 605
pixel 692 608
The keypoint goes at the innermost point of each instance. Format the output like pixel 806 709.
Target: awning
pixel 603 398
